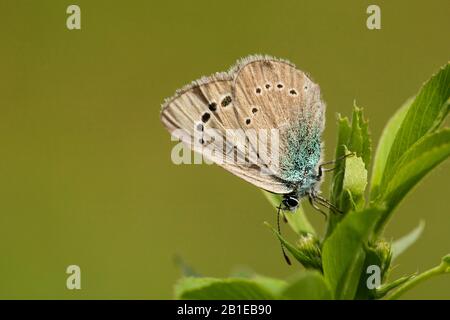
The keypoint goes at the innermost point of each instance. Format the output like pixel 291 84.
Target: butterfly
pixel 259 94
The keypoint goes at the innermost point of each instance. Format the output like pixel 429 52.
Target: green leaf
pixel 384 146
pixel 442 268
pixel 343 252
pixel 308 285
pixel 387 288
pixel 355 177
pixel 259 288
pixel 420 159
pixel 297 220
pixel 347 203
pixel 305 259
pixel 426 113
pixel 355 181
pixel 360 141
pixel 344 131
pixel 401 245
pixel 352 137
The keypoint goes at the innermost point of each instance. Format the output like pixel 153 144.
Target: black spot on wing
pixel 226 101
pixel 212 106
pixel 205 117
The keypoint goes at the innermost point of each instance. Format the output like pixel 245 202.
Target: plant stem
pixel 440 269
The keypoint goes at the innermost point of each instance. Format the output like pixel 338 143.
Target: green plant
pixel 412 144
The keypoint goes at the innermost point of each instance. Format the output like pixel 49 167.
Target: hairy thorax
pixel 300 161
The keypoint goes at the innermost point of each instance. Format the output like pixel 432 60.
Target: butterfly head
pixel 290 202
pixel 307 186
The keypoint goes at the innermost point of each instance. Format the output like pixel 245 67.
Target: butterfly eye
pixel 293 92
pixel 291 202
pixel 212 106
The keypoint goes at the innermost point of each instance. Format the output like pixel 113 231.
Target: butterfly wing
pixel 272 94
pixel 205 108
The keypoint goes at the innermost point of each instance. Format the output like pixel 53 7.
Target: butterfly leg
pixel 313 204
pixel 326 203
pixel 321 166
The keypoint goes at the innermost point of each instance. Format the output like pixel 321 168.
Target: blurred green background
pixel 85 170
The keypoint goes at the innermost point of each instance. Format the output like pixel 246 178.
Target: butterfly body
pixel 299 164
pixel 260 93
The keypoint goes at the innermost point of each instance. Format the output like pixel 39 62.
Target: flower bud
pixel 383 251
pixel 309 246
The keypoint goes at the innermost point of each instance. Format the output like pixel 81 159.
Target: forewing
pixel 272 94
pixel 200 114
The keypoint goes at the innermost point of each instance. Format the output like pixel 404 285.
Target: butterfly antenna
pixel 288 261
